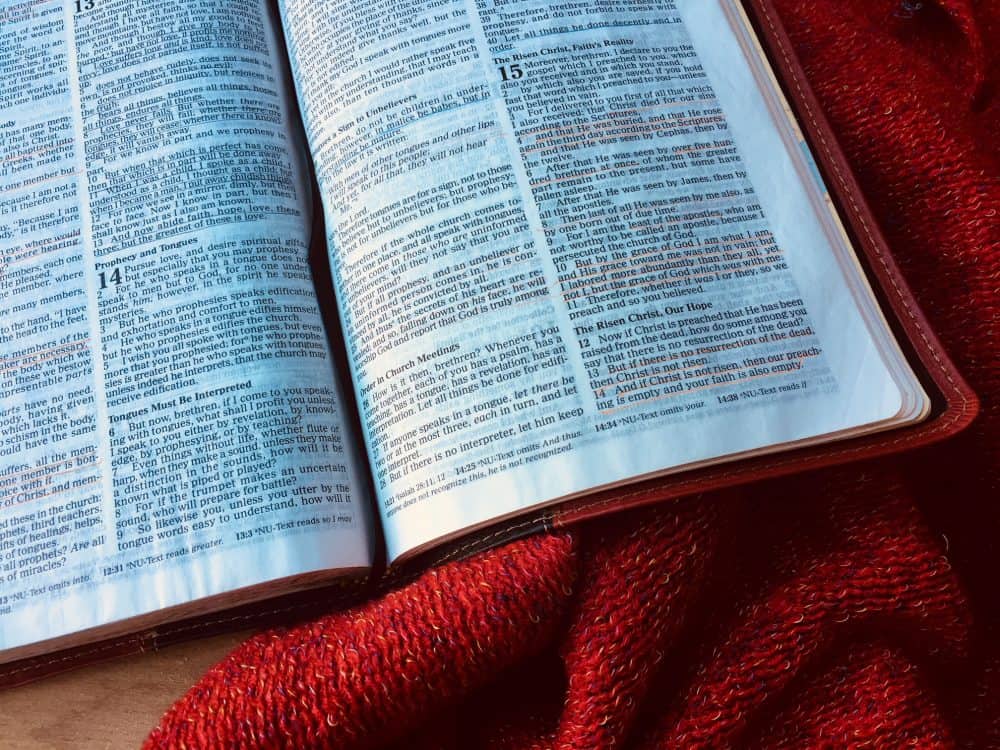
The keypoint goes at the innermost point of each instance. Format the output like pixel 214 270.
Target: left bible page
pixel 171 425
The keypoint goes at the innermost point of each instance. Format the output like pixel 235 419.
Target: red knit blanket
pixel 850 608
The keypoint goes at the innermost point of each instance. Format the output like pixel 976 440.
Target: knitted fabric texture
pixel 854 607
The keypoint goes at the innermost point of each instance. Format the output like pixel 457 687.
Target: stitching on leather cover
pixel 457 552
pixel 857 210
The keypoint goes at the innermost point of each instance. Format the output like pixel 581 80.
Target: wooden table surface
pixel 105 706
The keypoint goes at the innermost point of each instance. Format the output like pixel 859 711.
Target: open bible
pixel 290 289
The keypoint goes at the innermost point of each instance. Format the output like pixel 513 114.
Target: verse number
pixel 85 5
pixel 511 72
pixel 107 279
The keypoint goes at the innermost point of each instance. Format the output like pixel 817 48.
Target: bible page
pixel 171 425
pixel 574 243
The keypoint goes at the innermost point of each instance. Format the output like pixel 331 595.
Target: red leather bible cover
pixel 954 406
